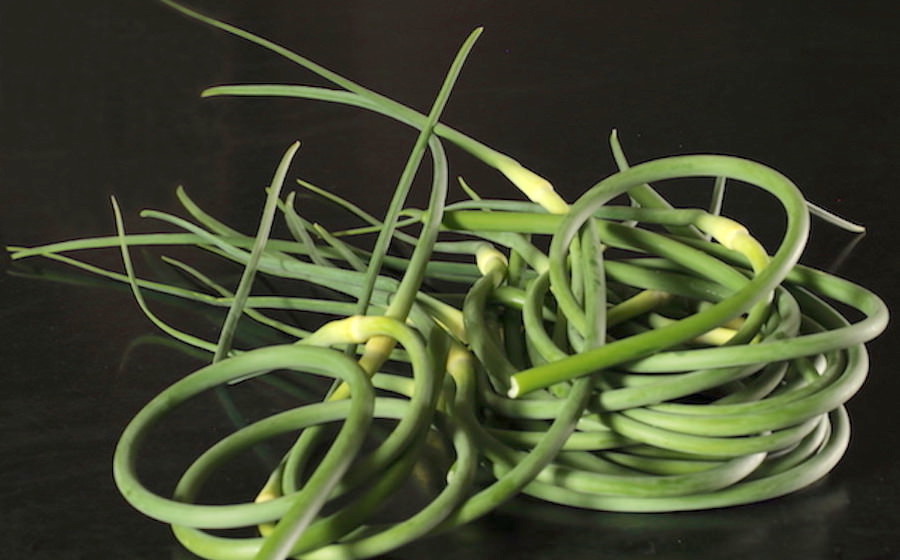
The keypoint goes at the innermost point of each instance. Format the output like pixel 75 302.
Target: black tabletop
pixel 102 98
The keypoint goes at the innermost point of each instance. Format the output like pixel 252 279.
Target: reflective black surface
pixel 100 98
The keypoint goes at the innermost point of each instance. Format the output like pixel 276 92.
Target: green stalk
pixel 246 283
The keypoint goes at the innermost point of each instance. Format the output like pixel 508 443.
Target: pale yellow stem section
pixel 536 188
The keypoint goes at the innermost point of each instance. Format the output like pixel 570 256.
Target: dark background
pixel 100 97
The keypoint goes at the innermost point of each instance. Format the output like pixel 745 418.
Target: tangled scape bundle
pixel 621 356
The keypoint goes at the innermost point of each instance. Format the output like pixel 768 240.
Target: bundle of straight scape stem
pixel 631 357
